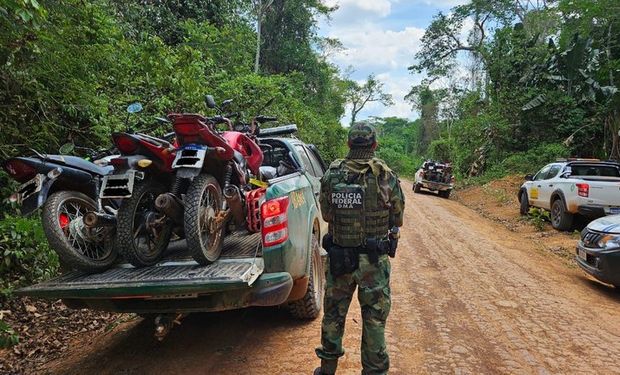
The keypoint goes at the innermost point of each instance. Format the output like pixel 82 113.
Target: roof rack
pixel 576 159
pixel 278 131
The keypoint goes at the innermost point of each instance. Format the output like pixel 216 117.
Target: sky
pixel 382 37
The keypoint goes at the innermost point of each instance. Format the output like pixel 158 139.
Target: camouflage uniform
pixel 372 280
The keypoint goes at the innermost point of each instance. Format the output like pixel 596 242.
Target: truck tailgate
pixel 604 191
pixel 241 264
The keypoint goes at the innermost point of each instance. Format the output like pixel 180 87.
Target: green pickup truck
pixel 282 265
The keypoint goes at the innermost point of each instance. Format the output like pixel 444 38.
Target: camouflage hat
pixel 362 135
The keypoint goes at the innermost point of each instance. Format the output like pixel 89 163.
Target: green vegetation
pixel 525 86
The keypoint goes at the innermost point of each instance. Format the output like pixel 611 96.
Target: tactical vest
pixel 358 210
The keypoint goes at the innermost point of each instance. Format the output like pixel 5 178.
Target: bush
pixel 8 337
pixel 25 256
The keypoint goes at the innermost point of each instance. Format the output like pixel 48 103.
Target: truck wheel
pixel 416 188
pixel 143 232
pixel 560 219
pixel 203 233
pixel 88 250
pixel 524 207
pixel 309 307
pixel 445 193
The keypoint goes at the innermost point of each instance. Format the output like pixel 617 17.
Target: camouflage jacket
pixel 389 186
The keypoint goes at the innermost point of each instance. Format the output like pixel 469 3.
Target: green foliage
pixel 538 218
pixel 8 337
pixel 544 84
pixel 396 140
pixel 25 256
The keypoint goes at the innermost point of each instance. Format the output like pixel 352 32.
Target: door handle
pixel 539 185
pixel 551 185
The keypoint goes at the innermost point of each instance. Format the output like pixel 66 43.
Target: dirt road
pixel 469 297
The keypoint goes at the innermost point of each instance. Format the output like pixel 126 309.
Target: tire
pixel 204 246
pixel 416 188
pixel 88 250
pixel 138 214
pixel 524 205
pixel 309 307
pixel 560 219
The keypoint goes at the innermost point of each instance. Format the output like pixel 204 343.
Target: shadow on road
pixel 201 342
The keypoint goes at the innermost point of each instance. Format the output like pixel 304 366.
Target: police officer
pixel 363 203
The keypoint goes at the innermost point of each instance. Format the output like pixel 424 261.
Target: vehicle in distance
pixel 434 176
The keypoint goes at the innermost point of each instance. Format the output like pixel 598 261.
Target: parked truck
pixel 566 188
pixel 280 265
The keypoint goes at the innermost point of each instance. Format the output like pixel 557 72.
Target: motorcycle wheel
pixel 203 233
pixel 143 233
pixel 80 248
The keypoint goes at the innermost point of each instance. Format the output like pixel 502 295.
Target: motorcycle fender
pixel 35 201
pixel 189 173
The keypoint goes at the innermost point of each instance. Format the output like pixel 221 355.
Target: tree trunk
pixel 259 18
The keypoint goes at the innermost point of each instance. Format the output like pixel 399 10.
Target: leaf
pixel 536 102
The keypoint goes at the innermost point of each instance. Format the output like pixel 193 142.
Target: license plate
pixel 30 188
pixel 583 255
pixel 614 210
pixel 190 157
pixel 119 185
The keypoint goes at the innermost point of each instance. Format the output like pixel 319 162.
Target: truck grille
pixel 590 238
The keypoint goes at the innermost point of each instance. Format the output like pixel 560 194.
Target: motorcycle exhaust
pixel 168 205
pixel 233 198
pixel 97 220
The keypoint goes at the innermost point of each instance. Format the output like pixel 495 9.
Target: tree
pixel 359 95
pixel 260 8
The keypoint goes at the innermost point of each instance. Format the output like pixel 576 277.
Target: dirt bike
pixel 216 167
pixel 142 172
pixel 67 187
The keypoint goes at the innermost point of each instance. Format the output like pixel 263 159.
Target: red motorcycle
pixel 216 166
pixel 141 173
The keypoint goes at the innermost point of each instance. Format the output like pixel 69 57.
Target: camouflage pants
pixel 373 282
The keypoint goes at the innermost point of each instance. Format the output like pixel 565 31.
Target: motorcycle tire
pixel 203 234
pixel 143 233
pixel 78 248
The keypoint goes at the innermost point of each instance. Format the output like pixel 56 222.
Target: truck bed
pixel 240 265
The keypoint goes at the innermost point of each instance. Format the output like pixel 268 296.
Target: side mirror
pixel 66 149
pixel 210 101
pixel 529 177
pixel 226 103
pixel 134 108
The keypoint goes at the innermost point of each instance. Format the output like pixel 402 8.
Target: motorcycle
pixel 142 172
pixel 216 167
pixel 66 187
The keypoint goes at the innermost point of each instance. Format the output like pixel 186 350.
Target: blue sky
pixel 382 37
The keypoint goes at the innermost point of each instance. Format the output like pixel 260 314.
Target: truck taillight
pixel 275 221
pixel 583 190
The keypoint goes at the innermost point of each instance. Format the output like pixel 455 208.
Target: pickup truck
pixel 434 176
pixel 586 187
pixel 281 265
pixel 598 251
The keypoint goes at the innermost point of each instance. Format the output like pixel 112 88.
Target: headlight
pixel 609 241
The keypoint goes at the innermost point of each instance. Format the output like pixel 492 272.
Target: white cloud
pixel 381 8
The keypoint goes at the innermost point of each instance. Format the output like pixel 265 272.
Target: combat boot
pixel 317 371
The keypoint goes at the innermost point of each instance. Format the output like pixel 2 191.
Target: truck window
pixel 553 171
pixel 595 170
pixel 542 174
pixel 315 163
pixel 305 161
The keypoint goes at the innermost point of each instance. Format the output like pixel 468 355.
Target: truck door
pixel 534 186
pixel 547 186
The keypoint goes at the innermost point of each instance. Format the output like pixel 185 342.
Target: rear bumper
pixel 602 265
pixel 271 289
pixel 591 212
pixel 435 186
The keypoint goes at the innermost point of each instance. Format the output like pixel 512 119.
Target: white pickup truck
pixel 586 187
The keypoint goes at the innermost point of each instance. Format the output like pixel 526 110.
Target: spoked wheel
pixel 77 246
pixel 204 219
pixel 143 232
pixel 560 218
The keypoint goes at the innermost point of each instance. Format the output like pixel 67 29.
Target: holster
pixel 393 244
pixel 372 249
pixel 342 260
